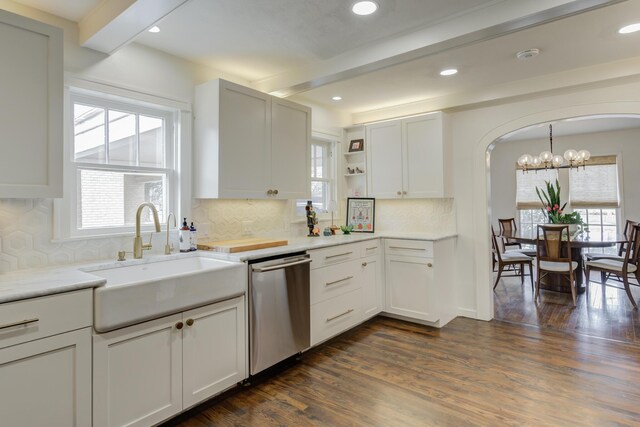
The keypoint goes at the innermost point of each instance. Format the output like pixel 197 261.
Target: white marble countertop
pixel 33 283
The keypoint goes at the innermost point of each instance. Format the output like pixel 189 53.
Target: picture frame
pixel 361 214
pixel 356 145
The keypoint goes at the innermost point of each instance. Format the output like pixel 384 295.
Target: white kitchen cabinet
pixel 248 144
pixel 213 350
pixel 45 360
pixel 384 160
pixel 372 286
pixel 31 84
pixel 406 158
pixel 418 280
pixel 146 373
pixel 47 382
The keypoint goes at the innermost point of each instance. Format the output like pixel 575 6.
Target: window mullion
pixel 137 139
pixel 106 135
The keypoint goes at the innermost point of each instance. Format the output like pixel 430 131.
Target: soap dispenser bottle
pixel 194 237
pixel 185 237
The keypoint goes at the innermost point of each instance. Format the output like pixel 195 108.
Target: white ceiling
pixel 315 49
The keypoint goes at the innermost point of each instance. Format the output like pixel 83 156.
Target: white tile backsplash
pixel 26 227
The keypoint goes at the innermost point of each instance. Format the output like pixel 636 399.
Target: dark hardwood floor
pixel 392 373
pixel 601 312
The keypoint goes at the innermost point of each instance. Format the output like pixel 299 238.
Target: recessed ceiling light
pixel 337 98
pixel 364 7
pixel 154 29
pixel 448 72
pixel 630 28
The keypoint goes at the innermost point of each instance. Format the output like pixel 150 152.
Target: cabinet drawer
pixel 335 315
pixel 370 248
pixel 30 319
pixel 331 281
pixel 334 255
pixel 414 248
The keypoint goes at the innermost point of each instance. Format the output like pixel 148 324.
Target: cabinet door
pixel 409 283
pixel 137 374
pixel 31 103
pixel 47 382
pixel 244 138
pixel 290 152
pixel 372 291
pixel 422 152
pixel 214 349
pixel 384 160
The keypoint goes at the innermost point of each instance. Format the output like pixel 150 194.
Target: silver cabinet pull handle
pixel 329 319
pixel 335 256
pixel 19 323
pixel 372 248
pixel 411 249
pixel 364 264
pixel 280 266
pixel 338 281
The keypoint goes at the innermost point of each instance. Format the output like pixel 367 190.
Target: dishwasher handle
pixel 280 266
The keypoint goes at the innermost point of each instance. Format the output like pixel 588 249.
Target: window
pixel 602 223
pixel 526 183
pixel 323 182
pixel 121 154
pixel 595 186
pixel 531 218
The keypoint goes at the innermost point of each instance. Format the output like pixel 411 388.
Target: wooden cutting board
pixel 241 245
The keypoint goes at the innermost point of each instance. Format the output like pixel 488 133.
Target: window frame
pixel 66 222
pixel 332 146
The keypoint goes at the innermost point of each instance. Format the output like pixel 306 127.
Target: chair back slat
pixel 628 233
pixel 507 225
pixel 494 244
pixel 633 252
pixel 553 243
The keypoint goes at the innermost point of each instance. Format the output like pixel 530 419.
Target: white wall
pixel 623 143
pixel 472 132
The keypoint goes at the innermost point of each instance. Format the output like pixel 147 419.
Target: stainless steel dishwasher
pixel 279 309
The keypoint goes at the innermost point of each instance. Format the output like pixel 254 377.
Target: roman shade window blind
pixel 595 186
pixel 526 183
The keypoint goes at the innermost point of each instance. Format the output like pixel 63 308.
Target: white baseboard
pixel 466 312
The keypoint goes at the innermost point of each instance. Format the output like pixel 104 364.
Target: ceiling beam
pixel 113 24
pixel 498 19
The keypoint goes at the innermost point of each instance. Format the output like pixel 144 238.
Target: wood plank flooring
pixel 601 311
pixel 392 373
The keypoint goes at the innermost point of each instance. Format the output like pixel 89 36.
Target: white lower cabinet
pixel 410 287
pixel 336 315
pixel 372 287
pixel 146 373
pixel 47 382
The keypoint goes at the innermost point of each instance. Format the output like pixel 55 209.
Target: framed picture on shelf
pixel 361 214
pixel 356 145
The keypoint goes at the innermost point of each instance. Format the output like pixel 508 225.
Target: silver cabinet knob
pixel 275 192
pixel 270 193
pixel 429 265
pixel 364 264
pixel 404 192
pixel 399 193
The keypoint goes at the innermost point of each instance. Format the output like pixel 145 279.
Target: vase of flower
pixel 552 207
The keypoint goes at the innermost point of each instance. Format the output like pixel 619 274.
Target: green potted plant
pixel 554 211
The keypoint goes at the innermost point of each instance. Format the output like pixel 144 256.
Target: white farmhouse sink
pixel 135 293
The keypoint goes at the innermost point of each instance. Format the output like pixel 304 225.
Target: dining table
pixel 580 241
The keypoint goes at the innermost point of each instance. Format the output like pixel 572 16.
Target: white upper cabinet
pixel 249 144
pixel 384 159
pixel 406 158
pixel 31 104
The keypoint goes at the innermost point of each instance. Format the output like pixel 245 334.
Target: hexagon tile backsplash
pixel 26 227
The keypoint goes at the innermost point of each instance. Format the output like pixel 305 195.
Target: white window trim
pixel 334 148
pixel 178 121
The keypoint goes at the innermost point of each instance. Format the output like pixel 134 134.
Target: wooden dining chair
pixel 554 256
pixel 508 227
pixel 628 233
pixel 510 259
pixel 621 269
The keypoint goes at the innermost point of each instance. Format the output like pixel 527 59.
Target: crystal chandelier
pixel 549 160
